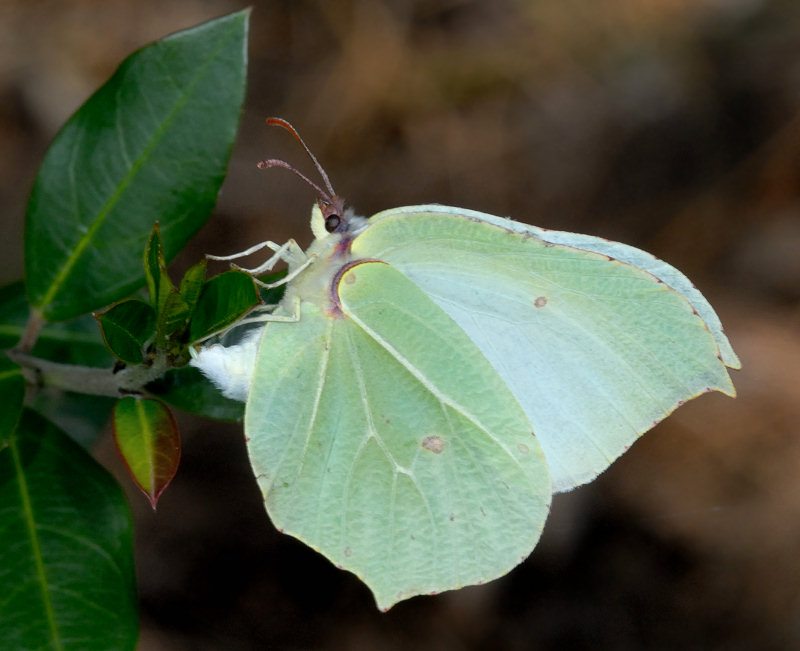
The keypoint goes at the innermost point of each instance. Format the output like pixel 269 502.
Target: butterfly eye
pixel 332 222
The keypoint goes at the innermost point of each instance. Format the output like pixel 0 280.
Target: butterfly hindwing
pixel 382 437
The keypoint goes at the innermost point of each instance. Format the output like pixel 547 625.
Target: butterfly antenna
pixel 274 162
pixel 280 122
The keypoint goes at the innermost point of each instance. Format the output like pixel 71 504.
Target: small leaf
pixel 174 318
pixel 188 389
pixel 12 393
pixel 151 144
pixel 192 284
pixel 171 309
pixel 225 298
pixel 66 546
pixel 148 440
pixel 272 295
pixel 126 327
pixel 159 284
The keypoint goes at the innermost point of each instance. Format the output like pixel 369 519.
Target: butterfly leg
pixel 288 277
pixel 290 313
pixel 289 252
pixel 253 317
pixel 244 253
pixel 262 318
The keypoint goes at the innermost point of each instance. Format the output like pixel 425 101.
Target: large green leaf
pixel 81 415
pixel 152 144
pixel 66 551
pixel 12 393
pixel 73 342
pixel 13 313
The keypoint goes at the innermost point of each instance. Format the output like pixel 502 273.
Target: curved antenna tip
pixel 280 122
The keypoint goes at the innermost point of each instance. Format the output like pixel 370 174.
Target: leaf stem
pixel 31 332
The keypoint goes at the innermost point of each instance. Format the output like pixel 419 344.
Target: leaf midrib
pixel 36 549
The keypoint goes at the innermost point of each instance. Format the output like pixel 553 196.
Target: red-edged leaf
pixel 147 438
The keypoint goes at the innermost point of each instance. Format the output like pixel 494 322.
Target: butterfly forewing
pixel 595 349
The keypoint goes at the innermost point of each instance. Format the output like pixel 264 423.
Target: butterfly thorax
pixel 326 256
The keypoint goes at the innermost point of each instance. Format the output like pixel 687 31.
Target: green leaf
pixel 173 318
pixel 151 144
pixel 273 295
pixel 159 284
pixel 71 342
pixel 66 550
pixel 126 327
pixel 84 417
pixel 192 284
pixel 148 441
pixel 225 298
pixel 188 389
pixel 172 312
pixel 14 313
pixel 12 393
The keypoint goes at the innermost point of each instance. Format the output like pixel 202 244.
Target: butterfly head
pixel 329 216
pixel 334 217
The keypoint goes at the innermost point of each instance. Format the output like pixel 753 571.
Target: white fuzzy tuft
pixel 230 368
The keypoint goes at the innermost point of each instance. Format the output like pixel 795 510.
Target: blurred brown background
pixel 673 125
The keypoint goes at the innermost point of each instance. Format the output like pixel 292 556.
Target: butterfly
pixel 432 375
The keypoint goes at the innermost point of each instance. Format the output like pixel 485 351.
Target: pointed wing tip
pixel 730 363
pixel 733 362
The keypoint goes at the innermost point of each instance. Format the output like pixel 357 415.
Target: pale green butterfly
pixel 433 374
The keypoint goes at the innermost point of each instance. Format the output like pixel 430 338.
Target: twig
pixel 86 379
